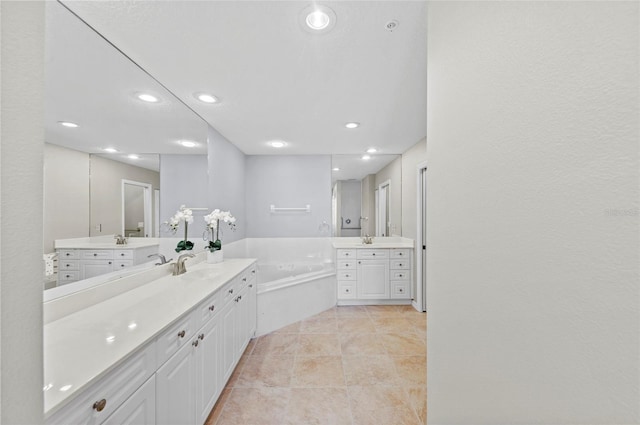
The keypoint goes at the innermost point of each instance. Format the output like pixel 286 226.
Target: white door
pixel 139 409
pixel 208 368
pixel 373 279
pixel 175 389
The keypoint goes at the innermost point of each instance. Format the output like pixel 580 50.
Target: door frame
pixel 420 299
pixel 147 205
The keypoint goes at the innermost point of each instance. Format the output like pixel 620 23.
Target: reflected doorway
pixel 136 209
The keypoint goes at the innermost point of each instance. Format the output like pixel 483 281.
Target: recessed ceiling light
pixel 133 156
pixel 277 144
pixel 352 125
pixel 146 97
pixel 206 98
pixel 110 150
pixel 365 157
pixel 372 150
pixel 188 143
pixel 68 124
pixel 317 19
pixel 335 169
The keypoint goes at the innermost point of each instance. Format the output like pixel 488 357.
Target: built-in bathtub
pixel 296 278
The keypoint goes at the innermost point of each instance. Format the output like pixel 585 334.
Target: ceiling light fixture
pixel 206 98
pixel 352 125
pixel 277 144
pixel 146 97
pixel 133 156
pixel 317 19
pixel 68 124
pixel 372 150
pixel 110 150
pixel 335 169
pixel 365 157
pixel 188 143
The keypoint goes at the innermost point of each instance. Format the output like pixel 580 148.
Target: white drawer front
pixel 230 291
pixel 64 265
pixel 400 290
pixel 70 254
pixel 252 273
pixel 124 254
pixel 175 337
pixel 366 254
pixel 243 280
pixel 346 290
pixel 208 308
pixel 68 275
pixel 346 275
pixel 346 253
pixel 401 253
pixel 114 389
pixel 101 254
pixel 400 264
pixel 400 275
pixel 346 265
pixel 121 264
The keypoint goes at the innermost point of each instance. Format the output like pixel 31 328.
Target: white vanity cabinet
pixel 374 275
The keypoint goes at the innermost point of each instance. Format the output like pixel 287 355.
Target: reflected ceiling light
pixel 352 125
pixel 146 97
pixel 47 387
pixel 335 169
pixel 365 157
pixel 277 144
pixel 132 326
pixel 206 98
pixel 372 150
pixel 188 143
pixel 110 339
pixel 133 156
pixel 110 150
pixel 65 388
pixel 68 124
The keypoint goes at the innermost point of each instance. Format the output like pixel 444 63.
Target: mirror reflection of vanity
pixel 366 195
pixel 103 148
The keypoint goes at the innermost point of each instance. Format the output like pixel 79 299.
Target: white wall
pixel 227 183
pixel 21 181
pixel 287 181
pixel 533 129
pixel 184 180
pixel 410 160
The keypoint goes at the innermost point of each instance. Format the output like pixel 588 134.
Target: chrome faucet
pixel 120 240
pixel 366 239
pixel 179 267
pixel 163 259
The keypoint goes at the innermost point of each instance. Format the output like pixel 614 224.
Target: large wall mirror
pixel 103 143
pixel 366 195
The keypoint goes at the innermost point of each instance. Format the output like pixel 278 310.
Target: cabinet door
pixel 242 322
pixel 208 368
pixel 139 409
pixel 92 268
pixel 227 333
pixel 253 308
pixel 175 389
pixel 373 279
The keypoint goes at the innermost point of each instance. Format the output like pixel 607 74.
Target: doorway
pixel 382 209
pixel 421 243
pixel 136 209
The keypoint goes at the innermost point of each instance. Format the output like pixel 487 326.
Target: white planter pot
pixel 214 257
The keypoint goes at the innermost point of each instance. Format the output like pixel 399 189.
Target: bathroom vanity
pixel 160 353
pixel 376 273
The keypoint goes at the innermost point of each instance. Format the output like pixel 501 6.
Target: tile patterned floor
pixel 348 365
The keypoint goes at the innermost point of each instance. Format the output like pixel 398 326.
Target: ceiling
pixel 274 78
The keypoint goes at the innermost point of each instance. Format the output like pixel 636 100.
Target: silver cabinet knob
pixel 195 343
pixel 182 333
pixel 100 405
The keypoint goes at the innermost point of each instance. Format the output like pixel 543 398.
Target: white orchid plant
pixel 185 215
pixel 213 225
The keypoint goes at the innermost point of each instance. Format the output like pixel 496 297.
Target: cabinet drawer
pixel 68 275
pixel 71 254
pixel 400 275
pixel 100 254
pixel 64 265
pixel 400 290
pixel 121 264
pixel 401 253
pixel 400 264
pixel 114 389
pixel 125 254
pixel 229 291
pixel 243 280
pixel 346 275
pixel 252 273
pixel 346 253
pixel 366 254
pixel 208 308
pixel 175 337
pixel 346 290
pixel 346 265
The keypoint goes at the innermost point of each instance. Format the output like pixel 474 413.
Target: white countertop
pixel 104 245
pixel 374 245
pixel 84 346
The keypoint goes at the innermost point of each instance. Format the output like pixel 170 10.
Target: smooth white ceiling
pixel 275 79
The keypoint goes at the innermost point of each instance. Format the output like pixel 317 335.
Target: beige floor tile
pixel 318 406
pixel 378 405
pixel 406 344
pixel 236 372
pixel 321 371
pixel 361 344
pixel 319 325
pixel 351 311
pixel 384 310
pixel 253 406
pixel 412 370
pixel 393 324
pixel 329 313
pixel 250 346
pixel 293 328
pixel 355 325
pixel 369 370
pixel 418 400
pixel 319 345
pixel 276 344
pixel 217 409
pixel 266 371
